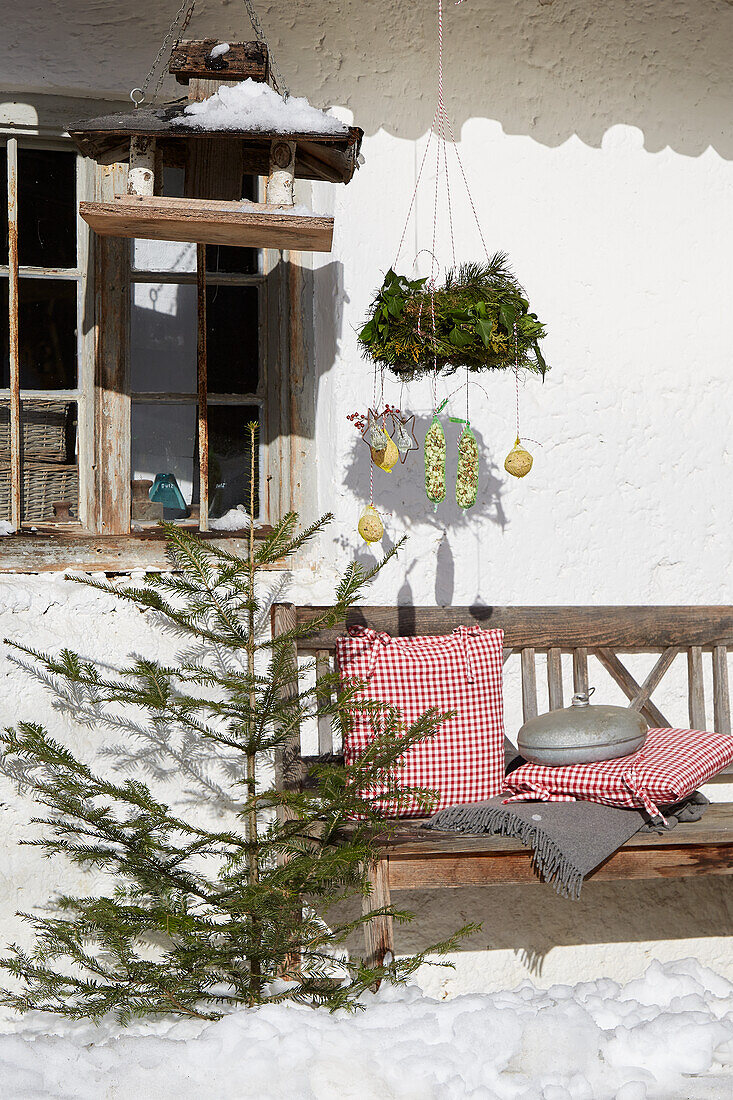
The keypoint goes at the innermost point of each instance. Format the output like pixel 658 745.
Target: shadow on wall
pixel 401 493
pixel 532 920
pixel 548 70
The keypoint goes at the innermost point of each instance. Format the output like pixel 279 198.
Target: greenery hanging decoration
pixel 475 313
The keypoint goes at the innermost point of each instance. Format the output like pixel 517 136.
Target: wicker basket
pixel 43 430
pixel 43 483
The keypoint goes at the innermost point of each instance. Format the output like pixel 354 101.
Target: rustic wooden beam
pixel 325 729
pixel 580 670
pixel 641 698
pixel 529 683
pixel 410 839
pixel 202 415
pixel 554 678
pixel 51 551
pixel 158 218
pixel 242 61
pixel 112 397
pixel 721 692
pixel 289 768
pixel 379 931
pixel 505 868
pixel 13 336
pixel 625 629
pixel 696 688
pixel 629 686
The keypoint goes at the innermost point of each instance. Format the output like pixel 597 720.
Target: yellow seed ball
pixel 387 458
pixel 370 525
pixel 518 462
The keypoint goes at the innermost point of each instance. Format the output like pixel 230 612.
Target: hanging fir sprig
pixel 476 309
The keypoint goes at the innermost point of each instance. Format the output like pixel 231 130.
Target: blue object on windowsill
pixel 165 491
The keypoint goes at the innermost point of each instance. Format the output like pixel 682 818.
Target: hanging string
pixel 516 374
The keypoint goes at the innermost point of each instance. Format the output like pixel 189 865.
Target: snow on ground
pixel 250 105
pixel 665 1036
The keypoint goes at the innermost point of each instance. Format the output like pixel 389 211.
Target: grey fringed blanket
pixel 569 838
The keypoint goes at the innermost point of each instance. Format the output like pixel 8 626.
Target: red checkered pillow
pixel 671 764
pixel 460 672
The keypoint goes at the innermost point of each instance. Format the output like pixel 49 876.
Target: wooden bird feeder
pixel 215 161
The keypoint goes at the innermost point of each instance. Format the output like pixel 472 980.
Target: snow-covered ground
pixel 665 1036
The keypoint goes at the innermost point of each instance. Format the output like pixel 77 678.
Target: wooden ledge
pixel 422 859
pixel 207 221
pixel 50 550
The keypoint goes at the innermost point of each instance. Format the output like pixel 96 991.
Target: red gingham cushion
pixel 461 672
pixel 670 764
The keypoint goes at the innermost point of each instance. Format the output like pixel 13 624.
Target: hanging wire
pixel 442 127
pixel 516 374
pixel 277 77
pixel 172 38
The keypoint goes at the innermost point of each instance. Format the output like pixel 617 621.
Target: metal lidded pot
pixel 581 733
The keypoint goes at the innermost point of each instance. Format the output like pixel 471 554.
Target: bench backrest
pixel 601 633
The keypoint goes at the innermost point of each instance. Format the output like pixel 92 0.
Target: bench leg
pixel 379 931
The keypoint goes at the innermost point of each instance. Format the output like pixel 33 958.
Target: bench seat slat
pixel 506 868
pixel 715 827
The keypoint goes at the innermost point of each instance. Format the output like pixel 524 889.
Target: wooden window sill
pixel 49 549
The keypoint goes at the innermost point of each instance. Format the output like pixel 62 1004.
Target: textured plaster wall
pixel 598 144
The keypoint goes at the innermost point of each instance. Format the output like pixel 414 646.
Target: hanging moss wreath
pixel 476 310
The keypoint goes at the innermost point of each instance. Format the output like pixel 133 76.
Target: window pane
pixel 165 255
pixel 46 208
pixel 238 261
pixel 165 441
pixel 163 338
pixel 49 470
pixel 229 459
pixel 232 339
pixel 47 334
pixel 4 335
pixel 3 205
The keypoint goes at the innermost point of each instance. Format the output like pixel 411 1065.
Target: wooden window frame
pixel 105 542
pixel 80 395
pixel 260 280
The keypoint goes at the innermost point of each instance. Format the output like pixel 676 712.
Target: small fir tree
pixel 208 911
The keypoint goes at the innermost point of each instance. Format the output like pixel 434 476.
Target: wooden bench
pixel 412 859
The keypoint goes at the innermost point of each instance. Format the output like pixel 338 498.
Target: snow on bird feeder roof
pixel 250 105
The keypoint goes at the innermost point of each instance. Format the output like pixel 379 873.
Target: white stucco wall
pixel 598 145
